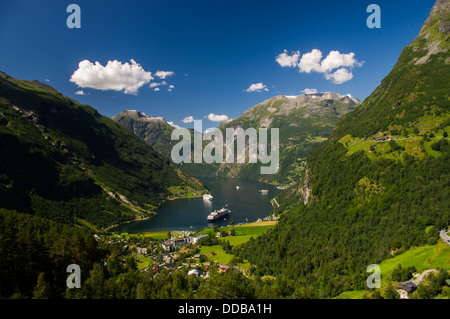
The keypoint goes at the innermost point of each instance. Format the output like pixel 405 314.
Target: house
pixel 171 244
pixel 406 288
pixel 194 272
pixel 142 251
pixel 223 267
pixel 167 245
pixel 178 242
pixel 218 235
pixel 198 238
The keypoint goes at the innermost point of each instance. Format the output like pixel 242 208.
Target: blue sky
pixel 215 49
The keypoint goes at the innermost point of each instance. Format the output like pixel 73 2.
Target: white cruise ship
pixel 218 214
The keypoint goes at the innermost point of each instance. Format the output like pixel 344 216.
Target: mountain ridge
pixel 378 184
pixel 64 161
pixel 305 119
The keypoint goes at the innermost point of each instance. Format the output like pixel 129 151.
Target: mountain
pixel 304 122
pixel 380 183
pixel 64 161
pixel 155 131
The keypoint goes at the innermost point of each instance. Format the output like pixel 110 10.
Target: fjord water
pixel 246 204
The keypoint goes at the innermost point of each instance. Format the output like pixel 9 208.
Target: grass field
pixel 409 144
pixel 354 294
pixel 216 253
pixel 424 257
pixel 143 261
pixel 154 235
pixel 243 234
pixel 254 229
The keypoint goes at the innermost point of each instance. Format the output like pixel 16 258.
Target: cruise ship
pixel 215 215
pixel 208 196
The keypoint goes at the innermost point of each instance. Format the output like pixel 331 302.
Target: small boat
pixel 237 187
pixel 264 191
pixel 208 197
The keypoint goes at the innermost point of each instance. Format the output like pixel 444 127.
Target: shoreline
pixel 249 224
pixel 177 197
pixel 154 213
pixel 108 229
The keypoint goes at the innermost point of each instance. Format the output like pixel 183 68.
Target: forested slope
pixel 64 161
pixel 379 181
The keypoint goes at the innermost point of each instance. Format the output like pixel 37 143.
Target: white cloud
pixel 217 118
pixel 171 87
pixel 127 77
pixel 188 119
pixel 335 60
pixel 311 61
pixel 257 87
pixel 156 89
pixel 164 74
pixel 79 92
pixel 340 76
pixel 310 91
pixel 286 60
pixel 47 80
pixel 155 84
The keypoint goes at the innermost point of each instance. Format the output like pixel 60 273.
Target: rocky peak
pixel 138 115
pixel 438 17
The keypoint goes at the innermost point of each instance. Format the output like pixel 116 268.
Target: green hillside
pixel 421 259
pixel 304 123
pixel 64 161
pixel 380 180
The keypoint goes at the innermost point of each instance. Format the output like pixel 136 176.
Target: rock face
pixel 434 32
pixel 154 130
pixel 304 122
pixel 307 104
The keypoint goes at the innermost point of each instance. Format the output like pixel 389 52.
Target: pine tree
pixel 42 289
pixel 391 293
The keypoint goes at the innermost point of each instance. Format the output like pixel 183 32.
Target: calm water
pixel 246 205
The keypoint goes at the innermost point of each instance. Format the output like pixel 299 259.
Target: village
pixel 178 250
pixel 199 253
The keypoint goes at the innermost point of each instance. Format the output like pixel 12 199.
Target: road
pixel 444 236
pixel 419 278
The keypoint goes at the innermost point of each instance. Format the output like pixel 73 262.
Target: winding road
pixel 444 236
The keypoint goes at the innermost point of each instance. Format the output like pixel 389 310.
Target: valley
pixel 357 183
